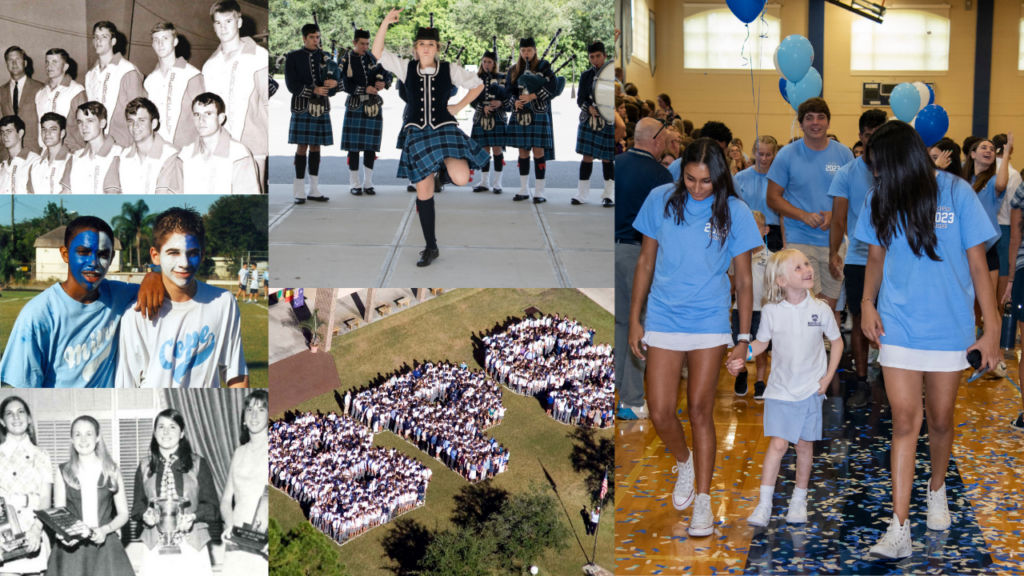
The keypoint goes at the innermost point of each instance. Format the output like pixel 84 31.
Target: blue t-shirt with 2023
pixel 853 182
pixel 991 201
pixel 753 189
pixel 806 175
pixel 58 342
pixel 690 289
pixel 924 304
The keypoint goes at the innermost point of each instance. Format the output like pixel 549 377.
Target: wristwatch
pixel 744 338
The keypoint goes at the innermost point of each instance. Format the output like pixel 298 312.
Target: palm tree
pixel 134 222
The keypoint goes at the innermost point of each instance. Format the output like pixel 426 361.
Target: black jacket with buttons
pixel 301 75
pixel 427 96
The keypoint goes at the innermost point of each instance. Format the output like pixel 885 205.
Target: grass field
pixel 254 331
pixel 541 448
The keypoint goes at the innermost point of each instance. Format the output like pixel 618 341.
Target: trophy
pixel 169 510
pixel 252 537
pixel 13 543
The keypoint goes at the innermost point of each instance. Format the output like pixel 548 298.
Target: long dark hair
pixel 31 430
pixel 707 152
pixel 184 447
pixel 906 192
pixel 948 145
pixel 522 65
pixel 985 175
pixel 261 397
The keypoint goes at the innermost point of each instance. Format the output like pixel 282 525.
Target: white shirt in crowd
pixel 60 100
pixel 172 96
pixel 194 344
pixel 230 169
pixel 158 172
pixel 798 352
pixel 758 265
pixel 47 172
pixel 241 81
pixel 88 173
pixel 1004 209
pixel 16 172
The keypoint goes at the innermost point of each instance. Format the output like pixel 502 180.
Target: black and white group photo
pixel 121 482
pixel 135 98
pixel 403 125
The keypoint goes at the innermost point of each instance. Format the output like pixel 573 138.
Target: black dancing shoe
pixel 318 198
pixel 540 200
pixel 576 202
pixel 427 256
pixel 497 190
pixel 300 200
pixel 356 191
pixel 519 197
pixel 481 189
pixel 369 191
pixel 410 188
pixel 607 203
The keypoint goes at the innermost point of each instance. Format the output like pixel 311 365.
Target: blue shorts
pixel 1003 248
pixel 793 421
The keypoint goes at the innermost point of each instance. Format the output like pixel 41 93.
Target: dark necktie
pixel 15 97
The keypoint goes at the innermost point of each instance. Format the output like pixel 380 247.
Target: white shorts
pixel 922 360
pixel 824 283
pixel 684 342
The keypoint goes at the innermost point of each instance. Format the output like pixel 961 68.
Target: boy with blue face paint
pixel 195 341
pixel 67 337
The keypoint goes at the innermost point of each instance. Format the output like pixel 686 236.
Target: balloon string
pixel 760 59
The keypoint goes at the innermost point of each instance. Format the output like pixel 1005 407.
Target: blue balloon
pixel 746 10
pixel 905 101
pixel 809 87
pixel 932 123
pixel 795 56
pixel 931 95
pixel 782 89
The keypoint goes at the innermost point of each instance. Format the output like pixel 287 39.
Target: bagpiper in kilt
pixel 432 135
pixel 529 128
pixel 595 138
pixel 489 121
pixel 307 77
pixel 362 77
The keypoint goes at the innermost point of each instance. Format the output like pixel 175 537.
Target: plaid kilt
pixel 305 129
pixel 360 132
pixel 495 137
pixel 600 145
pixel 425 151
pixel 539 134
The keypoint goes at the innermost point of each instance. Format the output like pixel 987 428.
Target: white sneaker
pixel 797 511
pixel 895 544
pixel 761 516
pixel 682 494
pixel 640 412
pixel 938 512
pixel 702 523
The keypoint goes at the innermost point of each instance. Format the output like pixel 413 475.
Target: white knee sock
pixel 367 177
pixel 524 185
pixel 799 494
pixel 766 494
pixel 539 192
pixel 584 191
pixel 353 178
pixel 609 190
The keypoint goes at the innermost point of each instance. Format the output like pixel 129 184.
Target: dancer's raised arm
pixel 378 41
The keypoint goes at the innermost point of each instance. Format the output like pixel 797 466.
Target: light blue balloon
pixel 905 101
pixel 809 87
pixel 795 56
pixel 746 10
pixel 932 123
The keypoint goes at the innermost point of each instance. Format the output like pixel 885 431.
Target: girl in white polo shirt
pixel 794 321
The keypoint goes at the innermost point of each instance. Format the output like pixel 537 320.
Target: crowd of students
pixel 443 409
pixel 556 357
pixel 329 464
pixel 811 228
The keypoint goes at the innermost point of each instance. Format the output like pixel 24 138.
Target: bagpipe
pixel 531 82
pixel 492 91
pixel 371 103
pixel 272 84
pixel 328 70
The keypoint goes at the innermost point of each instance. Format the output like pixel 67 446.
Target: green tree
pixel 134 223
pixel 236 224
pixel 306 552
pixel 460 552
pixel 526 527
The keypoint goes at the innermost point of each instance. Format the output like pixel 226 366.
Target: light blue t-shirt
pixel 924 304
pixel 690 290
pixel 58 342
pixel 991 201
pixel 753 188
pixel 806 176
pixel 853 182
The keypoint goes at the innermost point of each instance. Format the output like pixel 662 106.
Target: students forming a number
pixel 927 231
pixel 433 138
pixel 692 230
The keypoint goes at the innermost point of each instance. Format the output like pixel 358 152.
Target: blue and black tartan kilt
pixel 306 129
pixel 495 137
pixel 360 132
pixel 426 148
pixel 401 138
pixel 539 134
pixel 600 145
